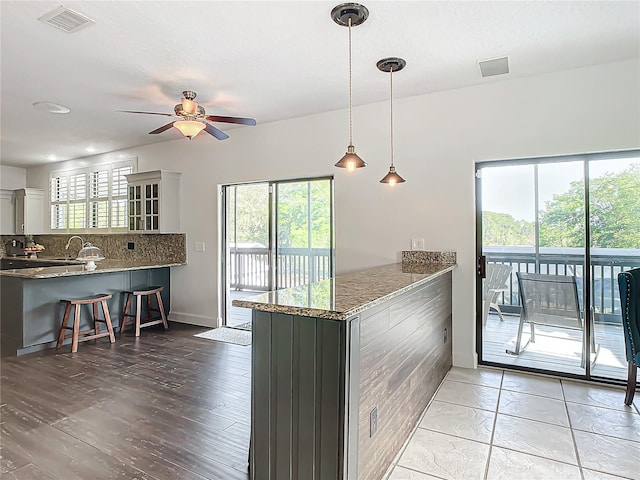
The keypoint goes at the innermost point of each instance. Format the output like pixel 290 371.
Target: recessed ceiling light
pixel 51 157
pixel 51 107
pixel 90 149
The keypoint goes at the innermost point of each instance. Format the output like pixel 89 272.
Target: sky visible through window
pixel 510 189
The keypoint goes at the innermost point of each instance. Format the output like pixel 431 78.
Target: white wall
pixel 438 138
pixel 12 178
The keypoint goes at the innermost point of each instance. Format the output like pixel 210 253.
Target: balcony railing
pixel 606 263
pixel 249 267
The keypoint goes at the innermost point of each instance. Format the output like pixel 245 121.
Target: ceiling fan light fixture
pixel 189 128
pixel 189 106
pixel 350 15
pixel 351 160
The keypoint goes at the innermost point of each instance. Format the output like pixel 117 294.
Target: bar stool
pixel 91 334
pixel 149 293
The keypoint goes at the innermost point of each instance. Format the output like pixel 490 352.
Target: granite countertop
pixel 346 295
pixel 79 268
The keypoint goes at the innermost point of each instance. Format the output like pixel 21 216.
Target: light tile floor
pixel 491 424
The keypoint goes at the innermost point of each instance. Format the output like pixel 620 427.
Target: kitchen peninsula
pixel 343 368
pixel 30 308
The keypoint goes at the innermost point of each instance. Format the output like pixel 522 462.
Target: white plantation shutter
pixel 58 202
pixel 99 199
pixel 90 198
pixel 119 196
pixel 77 217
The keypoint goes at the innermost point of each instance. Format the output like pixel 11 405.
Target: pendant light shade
pixel 351 160
pixel 392 177
pixel 390 65
pixel 350 15
pixel 189 128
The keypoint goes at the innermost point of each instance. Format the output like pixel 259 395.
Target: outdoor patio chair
pixel 629 283
pixel 494 283
pixel 550 300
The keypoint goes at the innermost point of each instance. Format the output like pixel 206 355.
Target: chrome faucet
pixel 69 242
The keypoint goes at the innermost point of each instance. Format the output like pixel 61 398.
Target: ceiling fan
pixel 194 119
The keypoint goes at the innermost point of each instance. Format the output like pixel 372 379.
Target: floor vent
pixel 67 20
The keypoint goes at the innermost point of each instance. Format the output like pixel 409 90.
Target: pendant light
pixel 390 65
pixel 350 15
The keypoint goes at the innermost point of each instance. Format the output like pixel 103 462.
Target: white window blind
pixel 119 195
pixel 90 198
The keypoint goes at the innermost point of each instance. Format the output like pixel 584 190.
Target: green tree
pixel 252 205
pixel 293 219
pixel 614 213
pixel 503 229
pixel 294 199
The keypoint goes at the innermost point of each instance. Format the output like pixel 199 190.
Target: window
pixel 90 198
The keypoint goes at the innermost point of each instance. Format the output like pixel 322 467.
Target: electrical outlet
pixel 199 246
pixel 373 421
pixel 417 244
pixel 131 245
pixel 446 336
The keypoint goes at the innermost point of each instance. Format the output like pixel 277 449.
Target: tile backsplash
pixel 417 257
pixel 170 247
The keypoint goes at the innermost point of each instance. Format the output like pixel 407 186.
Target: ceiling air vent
pixel 66 19
pixel 494 66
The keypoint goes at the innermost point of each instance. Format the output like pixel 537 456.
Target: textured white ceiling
pixel 268 60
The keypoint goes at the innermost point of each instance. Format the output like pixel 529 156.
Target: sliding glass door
pixel 614 240
pixel 541 262
pixel 276 234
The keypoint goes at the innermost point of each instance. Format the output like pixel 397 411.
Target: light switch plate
pixel 417 244
pixel 199 246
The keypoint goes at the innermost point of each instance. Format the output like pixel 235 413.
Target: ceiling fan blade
pixel 147 113
pixel 240 120
pixel 164 128
pixel 211 130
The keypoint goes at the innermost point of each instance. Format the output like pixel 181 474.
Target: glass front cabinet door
pixel 154 202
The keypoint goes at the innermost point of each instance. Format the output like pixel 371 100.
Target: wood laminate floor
pixel 166 406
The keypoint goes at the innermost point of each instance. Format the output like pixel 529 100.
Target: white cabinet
pixel 154 202
pixel 29 211
pixel 7 213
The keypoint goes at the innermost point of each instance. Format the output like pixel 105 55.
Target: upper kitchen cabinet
pixel 154 202
pixel 29 211
pixel 7 213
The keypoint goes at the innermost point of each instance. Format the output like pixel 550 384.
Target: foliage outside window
pixel 90 198
pixel 614 216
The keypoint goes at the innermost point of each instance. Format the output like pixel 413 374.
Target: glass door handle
pixel 482 266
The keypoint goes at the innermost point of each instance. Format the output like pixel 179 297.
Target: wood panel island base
pixel 343 368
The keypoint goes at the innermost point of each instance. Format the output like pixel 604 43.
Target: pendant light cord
pixel 350 90
pixel 391 77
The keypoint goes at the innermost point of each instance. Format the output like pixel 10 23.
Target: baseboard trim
pixel 191 319
pixel 465 360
